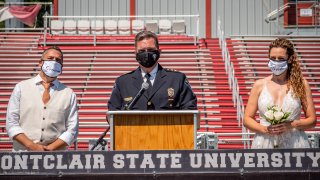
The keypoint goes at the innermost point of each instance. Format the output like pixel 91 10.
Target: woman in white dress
pixel 287 89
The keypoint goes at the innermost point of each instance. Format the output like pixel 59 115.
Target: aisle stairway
pixel 224 123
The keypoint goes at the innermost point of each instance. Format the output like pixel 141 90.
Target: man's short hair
pixel 55 48
pixel 146 35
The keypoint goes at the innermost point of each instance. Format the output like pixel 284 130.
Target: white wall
pixel 94 7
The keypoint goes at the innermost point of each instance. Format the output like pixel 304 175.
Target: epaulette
pixel 171 70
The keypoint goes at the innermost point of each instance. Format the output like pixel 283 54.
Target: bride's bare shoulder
pixel 258 85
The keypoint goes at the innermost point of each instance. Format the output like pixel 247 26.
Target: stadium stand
pixel 70 27
pixel 152 25
pixel 116 27
pixel 164 26
pixel 178 27
pixel 56 27
pixel 137 26
pixel 97 27
pixel 83 27
pixel 91 73
pixel 124 27
pixel 110 27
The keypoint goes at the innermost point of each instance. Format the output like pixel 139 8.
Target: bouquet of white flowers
pixel 275 115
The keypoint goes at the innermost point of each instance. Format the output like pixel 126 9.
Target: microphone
pixel 144 87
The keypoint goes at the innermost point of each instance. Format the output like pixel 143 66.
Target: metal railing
pixel 233 82
pixel 293 11
pixel 275 13
pixel 209 140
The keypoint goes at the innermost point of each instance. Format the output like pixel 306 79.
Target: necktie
pixel 46 94
pixel 149 82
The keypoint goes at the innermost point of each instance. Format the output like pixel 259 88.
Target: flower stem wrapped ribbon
pixel 275 115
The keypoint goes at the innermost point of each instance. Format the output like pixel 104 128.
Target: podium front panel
pixel 153 131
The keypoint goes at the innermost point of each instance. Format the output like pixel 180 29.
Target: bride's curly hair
pixel 294 74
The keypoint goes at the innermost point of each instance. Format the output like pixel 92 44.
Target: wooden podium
pixel 153 130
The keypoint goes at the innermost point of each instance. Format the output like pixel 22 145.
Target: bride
pixel 287 89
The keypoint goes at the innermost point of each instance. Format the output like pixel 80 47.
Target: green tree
pixel 2 24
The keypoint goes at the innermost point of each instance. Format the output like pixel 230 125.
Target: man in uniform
pixel 165 89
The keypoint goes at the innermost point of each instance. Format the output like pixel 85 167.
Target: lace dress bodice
pixel 292 139
pixel 289 104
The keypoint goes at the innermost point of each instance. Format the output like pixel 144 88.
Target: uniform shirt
pixel 153 74
pixel 170 91
pixel 13 112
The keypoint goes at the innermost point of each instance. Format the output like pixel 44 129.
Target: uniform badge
pixel 127 99
pixel 170 92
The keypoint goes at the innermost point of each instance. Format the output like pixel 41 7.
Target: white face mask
pixel 51 68
pixel 278 67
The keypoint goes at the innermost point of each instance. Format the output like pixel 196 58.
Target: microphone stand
pixel 128 106
pixel 101 141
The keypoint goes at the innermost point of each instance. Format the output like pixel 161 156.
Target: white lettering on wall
pixel 20 162
pixel 36 159
pixel 314 157
pixel 298 156
pixel 147 161
pixel 248 160
pixel 223 160
pixel 262 159
pixel 98 160
pixel 163 158
pixel 118 162
pixel 235 160
pixel 132 158
pixel 88 161
pixel 6 162
pixel 76 161
pixel 195 160
pixel 59 162
pixel 276 160
pixel 287 162
pixel 175 160
pixel 211 160
pixel 46 163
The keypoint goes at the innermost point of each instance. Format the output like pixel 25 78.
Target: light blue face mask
pixel 51 68
pixel 278 67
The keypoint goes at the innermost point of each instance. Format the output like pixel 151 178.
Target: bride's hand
pixel 279 128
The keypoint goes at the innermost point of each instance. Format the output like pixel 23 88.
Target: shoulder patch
pixel 186 81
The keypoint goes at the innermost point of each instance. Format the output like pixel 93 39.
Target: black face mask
pixel 148 58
